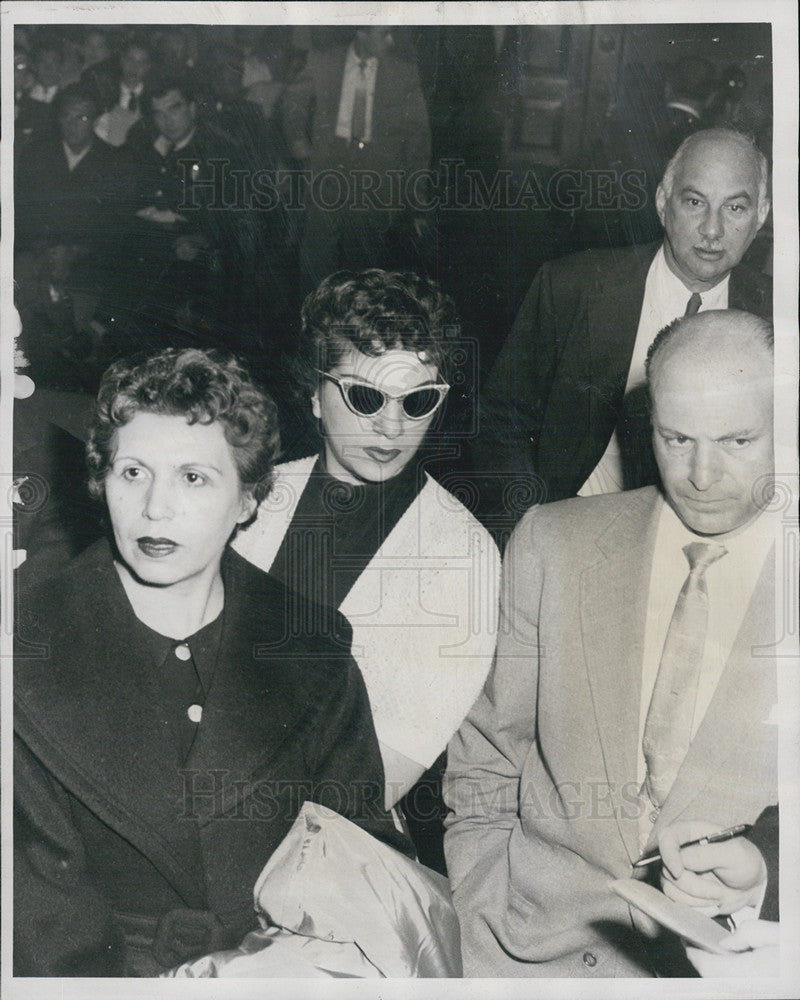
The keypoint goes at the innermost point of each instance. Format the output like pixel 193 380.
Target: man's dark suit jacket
pixel 554 396
pixel 126 862
pixel 765 835
pixel 81 206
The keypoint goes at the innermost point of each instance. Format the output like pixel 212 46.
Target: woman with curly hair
pixel 172 711
pixel 363 527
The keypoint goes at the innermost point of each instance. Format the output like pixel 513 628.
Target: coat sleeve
pixel 765 836
pixel 296 108
pixel 418 132
pixel 62 924
pixel 486 758
pixel 513 402
pixel 345 758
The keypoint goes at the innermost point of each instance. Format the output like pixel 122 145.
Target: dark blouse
pixel 337 528
pixel 185 669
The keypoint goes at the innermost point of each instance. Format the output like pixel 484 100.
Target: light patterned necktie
pixel 668 728
pixel 694 303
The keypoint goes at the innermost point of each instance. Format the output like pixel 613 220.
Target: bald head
pixel 710 379
pixel 712 201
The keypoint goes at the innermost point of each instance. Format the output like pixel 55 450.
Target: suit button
pixel 195 712
pixel 654 815
pixel 183 652
pixel 589 960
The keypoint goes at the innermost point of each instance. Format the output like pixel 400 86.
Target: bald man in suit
pixel 565 771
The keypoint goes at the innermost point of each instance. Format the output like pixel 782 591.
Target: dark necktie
pixel 358 126
pixel 668 728
pixel 693 305
pixel 133 103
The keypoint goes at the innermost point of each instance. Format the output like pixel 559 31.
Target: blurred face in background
pixel 95 48
pixel 174 116
pixel 374 42
pixel 135 65
pixel 75 123
pixel 47 67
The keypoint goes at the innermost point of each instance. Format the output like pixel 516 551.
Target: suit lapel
pixel 613 608
pixel 730 716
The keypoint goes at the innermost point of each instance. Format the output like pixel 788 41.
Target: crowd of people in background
pixel 182 184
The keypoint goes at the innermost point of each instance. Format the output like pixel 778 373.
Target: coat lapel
pixel 613 609
pixel 116 756
pixel 249 721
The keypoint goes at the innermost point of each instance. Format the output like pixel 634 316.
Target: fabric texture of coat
pixel 543 774
pixel 126 862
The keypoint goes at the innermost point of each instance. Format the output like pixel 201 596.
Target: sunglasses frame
pixel 345 382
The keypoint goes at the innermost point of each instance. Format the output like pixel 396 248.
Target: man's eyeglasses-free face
pixel 367 400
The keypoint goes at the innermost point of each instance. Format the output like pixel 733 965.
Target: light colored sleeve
pixel 487 754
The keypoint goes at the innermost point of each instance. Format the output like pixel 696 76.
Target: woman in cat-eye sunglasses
pixel 363 528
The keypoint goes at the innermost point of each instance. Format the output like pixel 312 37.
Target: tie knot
pixel 694 303
pixel 701 555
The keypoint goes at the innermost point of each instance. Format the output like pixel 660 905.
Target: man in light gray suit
pixel 634 683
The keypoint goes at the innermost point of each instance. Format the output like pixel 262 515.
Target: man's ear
pixel 661 203
pixel 763 211
pixel 316 409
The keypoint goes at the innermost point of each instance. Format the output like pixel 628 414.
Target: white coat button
pixel 195 712
pixel 183 652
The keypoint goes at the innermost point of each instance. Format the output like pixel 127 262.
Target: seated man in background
pixel 187 231
pixel 578 753
pixel 71 193
pixel 564 402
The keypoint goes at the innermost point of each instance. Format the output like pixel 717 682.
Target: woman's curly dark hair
pixel 200 385
pixel 375 311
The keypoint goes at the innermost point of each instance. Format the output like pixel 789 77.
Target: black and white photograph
pixel 399 461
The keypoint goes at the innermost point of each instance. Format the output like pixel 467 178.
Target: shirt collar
pixel 757 536
pixel 164 146
pixel 354 60
pixel 204 646
pixel 670 286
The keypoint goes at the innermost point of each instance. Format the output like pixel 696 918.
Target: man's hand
pixel 164 216
pixel 717 878
pixel 189 246
pixel 754 947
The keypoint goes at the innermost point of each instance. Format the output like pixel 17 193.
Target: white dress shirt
pixel 73 159
pixel 665 299
pixel 350 81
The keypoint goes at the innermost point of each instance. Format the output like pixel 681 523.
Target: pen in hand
pixel 712 838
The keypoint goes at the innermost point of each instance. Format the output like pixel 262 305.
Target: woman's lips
pixel 156 548
pixel 382 455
